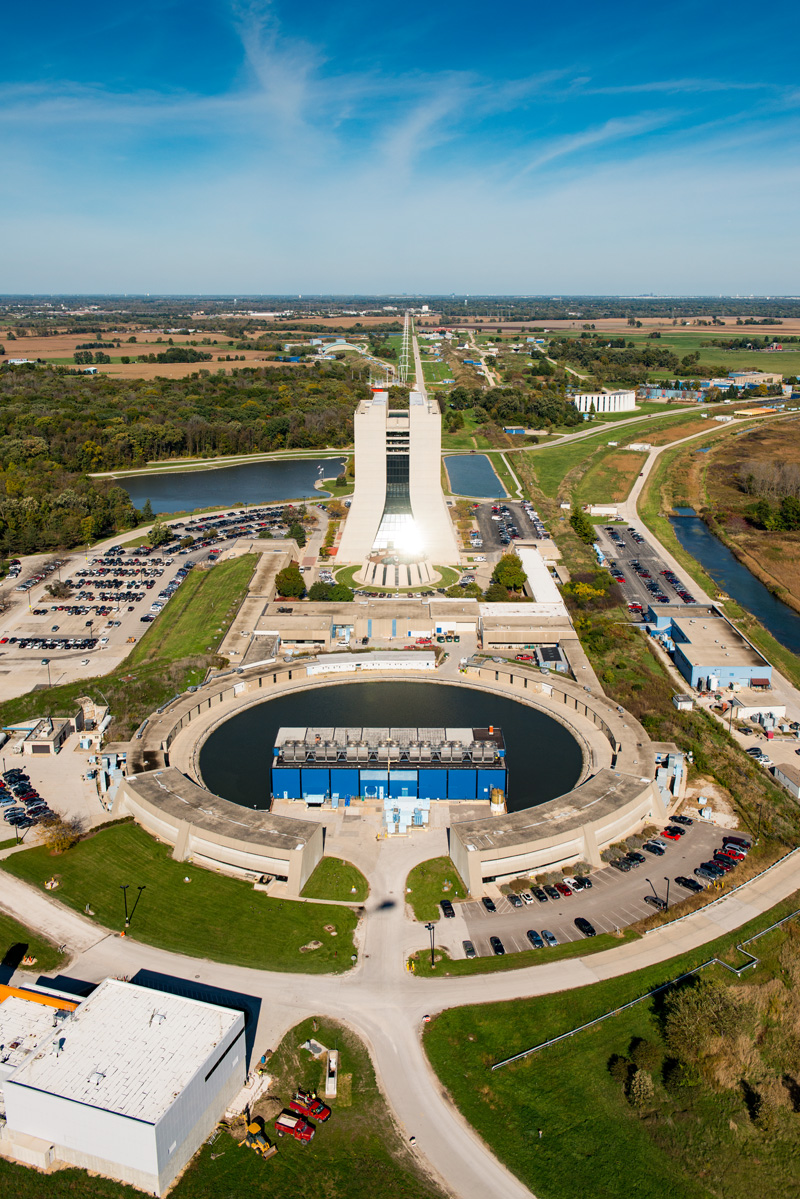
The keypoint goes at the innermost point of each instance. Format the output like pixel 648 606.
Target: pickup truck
pixel 294 1126
pixel 305 1103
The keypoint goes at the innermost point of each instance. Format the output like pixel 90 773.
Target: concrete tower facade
pixel 398 507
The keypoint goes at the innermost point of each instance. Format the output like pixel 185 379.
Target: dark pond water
pixel 544 760
pixel 473 474
pixel 249 483
pixel 735 579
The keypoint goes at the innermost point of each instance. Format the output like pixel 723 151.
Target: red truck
pixel 305 1103
pixel 293 1126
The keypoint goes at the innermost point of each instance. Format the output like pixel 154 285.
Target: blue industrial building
pixel 706 648
pixel 342 766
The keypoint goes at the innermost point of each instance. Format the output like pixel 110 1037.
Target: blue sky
pixel 271 147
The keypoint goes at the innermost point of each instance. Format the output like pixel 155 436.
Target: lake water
pixel 735 579
pixel 248 483
pixel 473 475
pixel 544 760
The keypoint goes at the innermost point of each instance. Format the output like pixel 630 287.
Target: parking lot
pixel 113 596
pixel 501 524
pixel 622 548
pixel 614 901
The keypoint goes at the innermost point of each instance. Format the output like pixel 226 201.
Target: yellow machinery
pixel 255 1138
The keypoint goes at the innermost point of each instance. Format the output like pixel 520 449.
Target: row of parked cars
pixel 21 803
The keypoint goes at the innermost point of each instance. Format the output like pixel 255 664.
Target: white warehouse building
pixel 605 401
pixel 128 1084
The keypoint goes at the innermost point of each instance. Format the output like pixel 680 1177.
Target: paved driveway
pixel 615 900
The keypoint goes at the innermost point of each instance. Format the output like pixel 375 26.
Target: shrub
pixel 645 1055
pixel 641 1091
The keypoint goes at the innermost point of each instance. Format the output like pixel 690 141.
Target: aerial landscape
pixel 399 569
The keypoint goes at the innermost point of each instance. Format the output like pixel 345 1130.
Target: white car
pixel 84 661
pixel 104 640
pixel 480 558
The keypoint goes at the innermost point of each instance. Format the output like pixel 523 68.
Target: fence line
pixel 737 970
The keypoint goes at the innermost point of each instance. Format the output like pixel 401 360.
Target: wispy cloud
pixel 614 130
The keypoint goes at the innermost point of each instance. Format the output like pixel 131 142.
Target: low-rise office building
pixel 706 648
pixel 604 401
pixel 128 1083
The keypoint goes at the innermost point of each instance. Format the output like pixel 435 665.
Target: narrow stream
pixel 735 579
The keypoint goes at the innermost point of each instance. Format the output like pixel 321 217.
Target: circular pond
pixel 544 759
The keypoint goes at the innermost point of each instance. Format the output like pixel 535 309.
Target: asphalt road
pixel 614 901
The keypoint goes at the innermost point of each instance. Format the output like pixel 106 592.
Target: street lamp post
pixel 647 880
pixel 431 928
pixel 666 880
pixel 124 889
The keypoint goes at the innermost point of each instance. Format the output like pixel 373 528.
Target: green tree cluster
pixel 289 582
pixel 582 525
pixel 330 592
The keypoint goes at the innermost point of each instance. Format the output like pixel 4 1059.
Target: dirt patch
pixel 717 798
pixel 684 429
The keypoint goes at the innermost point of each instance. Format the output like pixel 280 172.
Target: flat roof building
pixel 604 401
pixel 338 765
pixel 129 1084
pixel 707 649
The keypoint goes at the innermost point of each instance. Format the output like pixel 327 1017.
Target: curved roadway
pixel 385 1005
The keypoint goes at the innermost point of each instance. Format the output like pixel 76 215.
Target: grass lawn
pixel 425 887
pixel 609 478
pixel 500 465
pixel 337 879
pixel 174 653
pixel 213 916
pixel 447 967
pixel 593 1141
pixel 13 934
pixel 357 1154
pixel 347 574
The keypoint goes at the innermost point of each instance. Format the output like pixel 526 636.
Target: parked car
pixel 635 858
pixel 689 884
pixel 549 938
pixel 655 848
pixel 655 902
pixel 622 864
pixel 671 835
pixel 704 872
pixel 743 844
pixel 448 911
pixel 584 926
pixel 489 904
pixel 469 949
pixel 515 901
pixel 676 829
pixel 539 894
pixel 534 938
pixel 526 897
pixel 563 889
pixel 551 892
pixel 685 820
pixel 498 948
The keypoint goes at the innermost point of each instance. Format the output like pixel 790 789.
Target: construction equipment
pixel 306 1103
pixel 256 1139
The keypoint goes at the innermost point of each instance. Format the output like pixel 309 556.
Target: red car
pixel 523 658
pixel 669 836
pixel 563 889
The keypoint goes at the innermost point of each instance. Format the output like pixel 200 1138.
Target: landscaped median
pixel 181 908
pixel 335 879
pixel 429 883
pixel 446 967
pixel 716 1061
